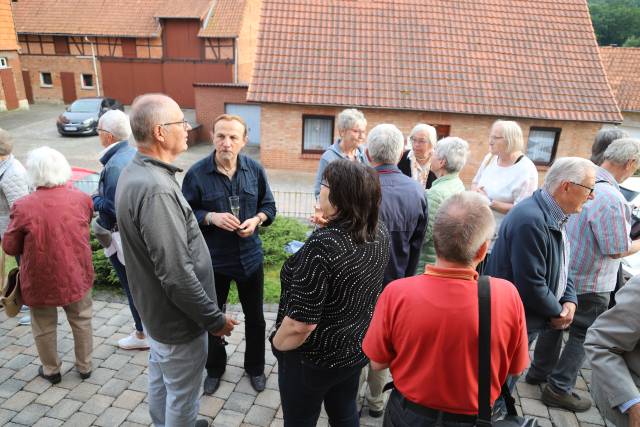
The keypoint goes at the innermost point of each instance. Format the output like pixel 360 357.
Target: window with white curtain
pixel 542 145
pixel 317 133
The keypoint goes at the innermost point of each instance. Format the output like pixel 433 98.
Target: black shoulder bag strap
pixel 484 352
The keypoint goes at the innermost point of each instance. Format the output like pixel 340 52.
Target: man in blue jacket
pixel 114 131
pixel 532 250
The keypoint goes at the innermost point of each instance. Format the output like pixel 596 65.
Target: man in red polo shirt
pixel 425 328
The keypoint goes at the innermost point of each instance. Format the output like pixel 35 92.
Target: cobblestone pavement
pixel 116 392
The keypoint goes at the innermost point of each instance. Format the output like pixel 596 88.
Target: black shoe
pixel 211 384
pixel 202 423
pixel 85 375
pixel 375 414
pixel 53 378
pixel 258 382
pixel 534 381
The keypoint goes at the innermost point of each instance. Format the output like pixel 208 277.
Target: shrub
pixel 105 275
pixel 274 237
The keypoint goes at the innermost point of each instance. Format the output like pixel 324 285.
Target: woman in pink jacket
pixel 49 229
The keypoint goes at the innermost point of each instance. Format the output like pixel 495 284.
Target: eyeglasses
pixel 420 141
pixel 324 184
pixel 584 186
pixel 103 130
pixel 183 122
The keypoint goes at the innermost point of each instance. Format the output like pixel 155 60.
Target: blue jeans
pixel 304 386
pixel 175 374
pixel 121 272
pixel 561 369
pixel 398 415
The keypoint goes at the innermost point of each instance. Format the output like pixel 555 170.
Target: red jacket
pixel 49 229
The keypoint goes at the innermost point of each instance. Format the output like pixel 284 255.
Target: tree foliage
pixel 616 21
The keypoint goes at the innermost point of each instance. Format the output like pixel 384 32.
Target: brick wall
pixel 13 60
pixel 8 39
pixel 248 40
pixel 56 64
pixel 210 103
pixel 281 134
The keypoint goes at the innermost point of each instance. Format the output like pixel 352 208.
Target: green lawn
pixel 271 287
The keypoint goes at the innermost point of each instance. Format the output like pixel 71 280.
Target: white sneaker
pixel 25 321
pixel 132 342
pixel 24 309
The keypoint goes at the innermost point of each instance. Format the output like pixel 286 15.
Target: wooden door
pixel 26 78
pixel 68 81
pixel 9 88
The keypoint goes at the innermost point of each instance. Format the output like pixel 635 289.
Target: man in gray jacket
pixel 168 263
pixel 612 348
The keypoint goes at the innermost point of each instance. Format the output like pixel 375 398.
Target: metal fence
pixel 294 204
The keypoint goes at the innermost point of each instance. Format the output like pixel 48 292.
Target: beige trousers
pixel 44 322
pixel 376 381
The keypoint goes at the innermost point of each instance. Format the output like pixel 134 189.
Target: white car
pixel 631 190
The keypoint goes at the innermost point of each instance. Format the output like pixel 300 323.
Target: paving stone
pixel 103 351
pixel 129 399
pixel 528 390
pixel 70 380
pixel 100 376
pixel 19 362
pixel 140 415
pixel 277 422
pixel 5 374
pixel 19 401
pixel 114 387
pixel 10 387
pixel 97 404
pixel 83 392
pixel 6 415
pixel 581 384
pixel 10 352
pixel 544 422
pixel 105 331
pixel 25 341
pixel 80 419
pixel 227 418
pixel 107 313
pixel 48 422
pixel 224 390
pixel 129 372
pixel 27 373
pixel 244 386
pixel 19 331
pixel 140 384
pixel 31 414
pixel 591 416
pixel 64 409
pixel 534 407
pixel 563 418
pixel 236 359
pixel 52 396
pixel 233 374
pixel 112 417
pixel 65 345
pixel 141 358
pixel 130 424
pixel 115 361
pixel 239 402
pixel 269 398
pixel 119 320
pixel 210 406
pixel 260 415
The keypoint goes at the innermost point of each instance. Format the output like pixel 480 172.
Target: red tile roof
pixel 127 18
pixel 518 58
pixel 225 20
pixel 622 65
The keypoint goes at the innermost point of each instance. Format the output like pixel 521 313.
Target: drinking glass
pixel 234 204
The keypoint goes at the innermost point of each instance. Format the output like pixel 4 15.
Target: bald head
pixel 148 111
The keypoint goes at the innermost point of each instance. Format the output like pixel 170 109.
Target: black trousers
pixel 251 294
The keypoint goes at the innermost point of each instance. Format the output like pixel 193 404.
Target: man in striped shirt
pixel 599 237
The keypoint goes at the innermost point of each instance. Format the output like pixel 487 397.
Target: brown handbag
pixel 10 297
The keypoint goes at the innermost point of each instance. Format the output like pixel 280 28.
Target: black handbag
pixel 484 369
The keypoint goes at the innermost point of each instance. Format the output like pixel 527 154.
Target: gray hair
pixel 463 223
pixel 604 138
pixel 146 112
pixel 512 134
pixel 116 123
pixel 572 169
pixel 385 144
pixel 454 151
pixel 623 150
pixel 348 118
pixel 430 130
pixel 47 167
pixel 6 143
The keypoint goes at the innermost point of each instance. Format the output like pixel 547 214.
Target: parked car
pixel 631 191
pixel 85 180
pixel 81 117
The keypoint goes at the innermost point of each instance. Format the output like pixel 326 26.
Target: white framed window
pixel 86 81
pixel 542 145
pixel 46 79
pixel 3 62
pixel 317 133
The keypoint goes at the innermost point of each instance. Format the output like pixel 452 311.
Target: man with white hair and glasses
pixel 114 131
pixel 404 211
pixel 599 238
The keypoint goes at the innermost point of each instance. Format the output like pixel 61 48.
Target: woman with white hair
pixel 13 179
pixel 449 157
pixel 352 128
pixel 416 161
pixel 49 229
pixel 506 176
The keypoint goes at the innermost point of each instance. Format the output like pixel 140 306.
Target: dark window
pixel 442 131
pixel 61 45
pixel 317 133
pixel 46 79
pixel 542 145
pixel 87 81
